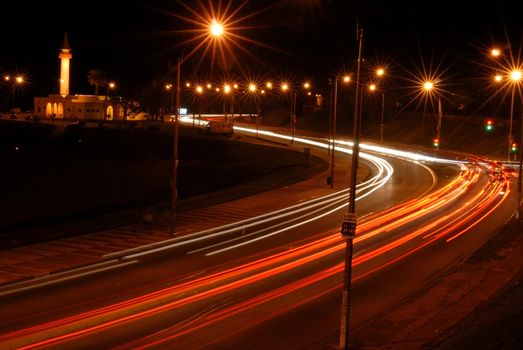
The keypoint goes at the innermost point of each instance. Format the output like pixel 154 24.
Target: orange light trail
pixel 465 216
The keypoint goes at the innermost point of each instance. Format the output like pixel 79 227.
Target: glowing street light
pixel 18 81
pixel 216 28
pixel 380 72
pixel 498 78
pixel 169 88
pixel 269 85
pixel 374 89
pixel 199 92
pixel 515 77
pixel 306 85
pixel 495 52
pixel 428 86
pixel 332 124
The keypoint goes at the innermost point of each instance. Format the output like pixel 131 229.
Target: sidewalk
pixel 41 259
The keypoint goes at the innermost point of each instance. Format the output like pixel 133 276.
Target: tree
pixel 96 78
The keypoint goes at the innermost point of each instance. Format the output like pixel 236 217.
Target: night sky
pixel 133 41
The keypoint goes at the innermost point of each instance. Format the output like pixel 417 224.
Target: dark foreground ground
pixel 55 175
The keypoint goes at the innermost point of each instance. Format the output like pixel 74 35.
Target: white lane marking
pixel 66 278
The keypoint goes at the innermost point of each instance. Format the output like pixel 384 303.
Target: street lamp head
pixel 380 72
pixel 515 75
pixel 372 87
pixel 235 86
pixel 187 84
pixel 20 79
pixel 284 87
pixel 216 28
pixel 199 89
pixel 346 78
pixel 112 85
pixel 7 77
pixel 168 86
pixel 252 87
pixel 495 52
pixel 226 88
pixel 209 86
pixel 428 85
pixel 269 85
pixel 306 85
pixel 498 78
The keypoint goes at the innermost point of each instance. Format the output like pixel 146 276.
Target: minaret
pixel 65 55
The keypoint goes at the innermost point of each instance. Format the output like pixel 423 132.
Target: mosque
pixel 65 105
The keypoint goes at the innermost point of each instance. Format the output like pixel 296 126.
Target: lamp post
pixel 374 89
pixel 348 228
pixel 199 91
pixel 19 80
pixel 380 72
pixel 346 79
pixel 515 77
pixel 215 30
pixel 519 213
pixel 253 90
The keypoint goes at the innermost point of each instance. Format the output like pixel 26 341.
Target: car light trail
pixel 394 246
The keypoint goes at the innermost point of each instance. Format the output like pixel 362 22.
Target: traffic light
pixel 514 147
pixel 489 126
pixel 435 142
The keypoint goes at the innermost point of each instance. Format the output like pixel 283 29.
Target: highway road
pixel 274 280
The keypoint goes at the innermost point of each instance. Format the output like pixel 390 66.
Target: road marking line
pixel 66 278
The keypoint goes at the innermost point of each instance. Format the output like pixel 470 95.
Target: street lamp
pixel 19 80
pixel 253 90
pixel 215 30
pixel 170 88
pixel 515 77
pixel 380 72
pixel 374 89
pixel 346 79
pixel 199 92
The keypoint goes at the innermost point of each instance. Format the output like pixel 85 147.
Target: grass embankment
pixel 54 175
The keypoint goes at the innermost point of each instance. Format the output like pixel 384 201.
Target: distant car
pixel 34 118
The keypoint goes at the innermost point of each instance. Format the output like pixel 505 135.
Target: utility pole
pixel 348 229
pixel 174 188
pixel 334 112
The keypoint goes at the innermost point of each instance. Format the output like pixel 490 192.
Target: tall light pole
pixel 380 72
pixel 518 199
pixel 253 90
pixel 199 91
pixel 374 89
pixel 515 77
pixel 348 228
pixel 346 79
pixel 19 80
pixel 216 30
